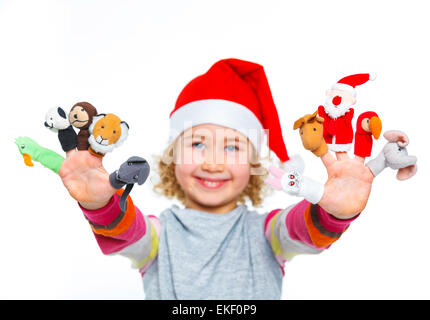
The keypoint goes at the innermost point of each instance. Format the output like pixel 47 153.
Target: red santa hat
pixel 235 94
pixel 349 83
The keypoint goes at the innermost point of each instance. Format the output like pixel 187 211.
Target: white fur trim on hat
pixel 344 87
pixel 372 76
pixel 220 112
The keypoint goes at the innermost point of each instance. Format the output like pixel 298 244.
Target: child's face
pixel 212 166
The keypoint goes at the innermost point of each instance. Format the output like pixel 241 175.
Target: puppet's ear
pixel 99 116
pixel 124 133
pixel 61 112
pixel 397 136
pixel 299 123
pixel 406 173
pixel 319 119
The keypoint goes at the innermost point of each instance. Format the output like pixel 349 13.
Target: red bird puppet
pixel 368 125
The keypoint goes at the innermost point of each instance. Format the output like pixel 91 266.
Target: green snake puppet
pixel 31 150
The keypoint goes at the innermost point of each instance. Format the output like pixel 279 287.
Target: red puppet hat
pixel 235 94
pixel 349 83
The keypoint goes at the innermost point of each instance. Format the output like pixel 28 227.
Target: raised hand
pixel 345 192
pixel 348 185
pixel 86 179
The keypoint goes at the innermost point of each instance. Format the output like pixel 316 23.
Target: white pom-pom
pixel 372 76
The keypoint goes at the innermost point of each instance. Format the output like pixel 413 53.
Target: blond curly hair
pixel 256 189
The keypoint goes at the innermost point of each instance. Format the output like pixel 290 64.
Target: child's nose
pixel 211 163
pixel 212 167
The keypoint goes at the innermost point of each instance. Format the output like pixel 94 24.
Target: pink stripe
pixel 296 226
pixel 106 214
pixel 269 217
pixel 267 230
pixel 155 223
pixel 103 215
pixel 331 223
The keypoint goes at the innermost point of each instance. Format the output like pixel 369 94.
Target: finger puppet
pixel 134 170
pixel 31 150
pixel 293 182
pixel 369 126
pixel 57 121
pixel 106 133
pixel 311 133
pixel 81 117
pixel 395 155
pixel 338 111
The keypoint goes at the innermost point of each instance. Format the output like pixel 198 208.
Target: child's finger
pixel 327 159
pixel 361 159
pixel 342 156
pixel 275 183
pixel 277 172
pixel 70 152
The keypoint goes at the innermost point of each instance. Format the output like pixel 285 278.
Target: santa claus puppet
pixel 338 111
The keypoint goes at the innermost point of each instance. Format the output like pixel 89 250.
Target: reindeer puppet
pixel 311 132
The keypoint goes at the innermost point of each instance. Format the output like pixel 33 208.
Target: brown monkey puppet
pixel 81 116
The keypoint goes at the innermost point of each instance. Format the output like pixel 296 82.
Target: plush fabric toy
pixel 338 111
pixel 311 133
pixel 106 133
pixel 81 117
pixel 291 180
pixel 134 170
pixel 31 150
pixel 57 121
pixel 395 156
pixel 369 126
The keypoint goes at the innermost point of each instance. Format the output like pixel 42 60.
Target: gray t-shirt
pixel 203 255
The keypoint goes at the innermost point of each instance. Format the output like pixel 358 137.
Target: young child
pixel 215 247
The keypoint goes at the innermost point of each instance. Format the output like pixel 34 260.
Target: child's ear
pixel 167 156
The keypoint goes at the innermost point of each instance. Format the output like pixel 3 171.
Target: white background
pixel 132 58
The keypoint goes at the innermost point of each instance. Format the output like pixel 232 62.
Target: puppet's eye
pixel 114 132
pixel 301 132
pixel 400 149
pixel 368 120
pixel 103 127
pixel 22 146
pixel 50 118
pixel 315 129
pixel 82 109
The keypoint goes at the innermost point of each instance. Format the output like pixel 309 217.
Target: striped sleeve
pixel 130 233
pixel 304 228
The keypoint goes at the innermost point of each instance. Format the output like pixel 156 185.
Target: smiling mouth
pixel 211 183
pixel 79 121
pixel 101 141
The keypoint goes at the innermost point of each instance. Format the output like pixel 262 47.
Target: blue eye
pixel 232 148
pixel 198 143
